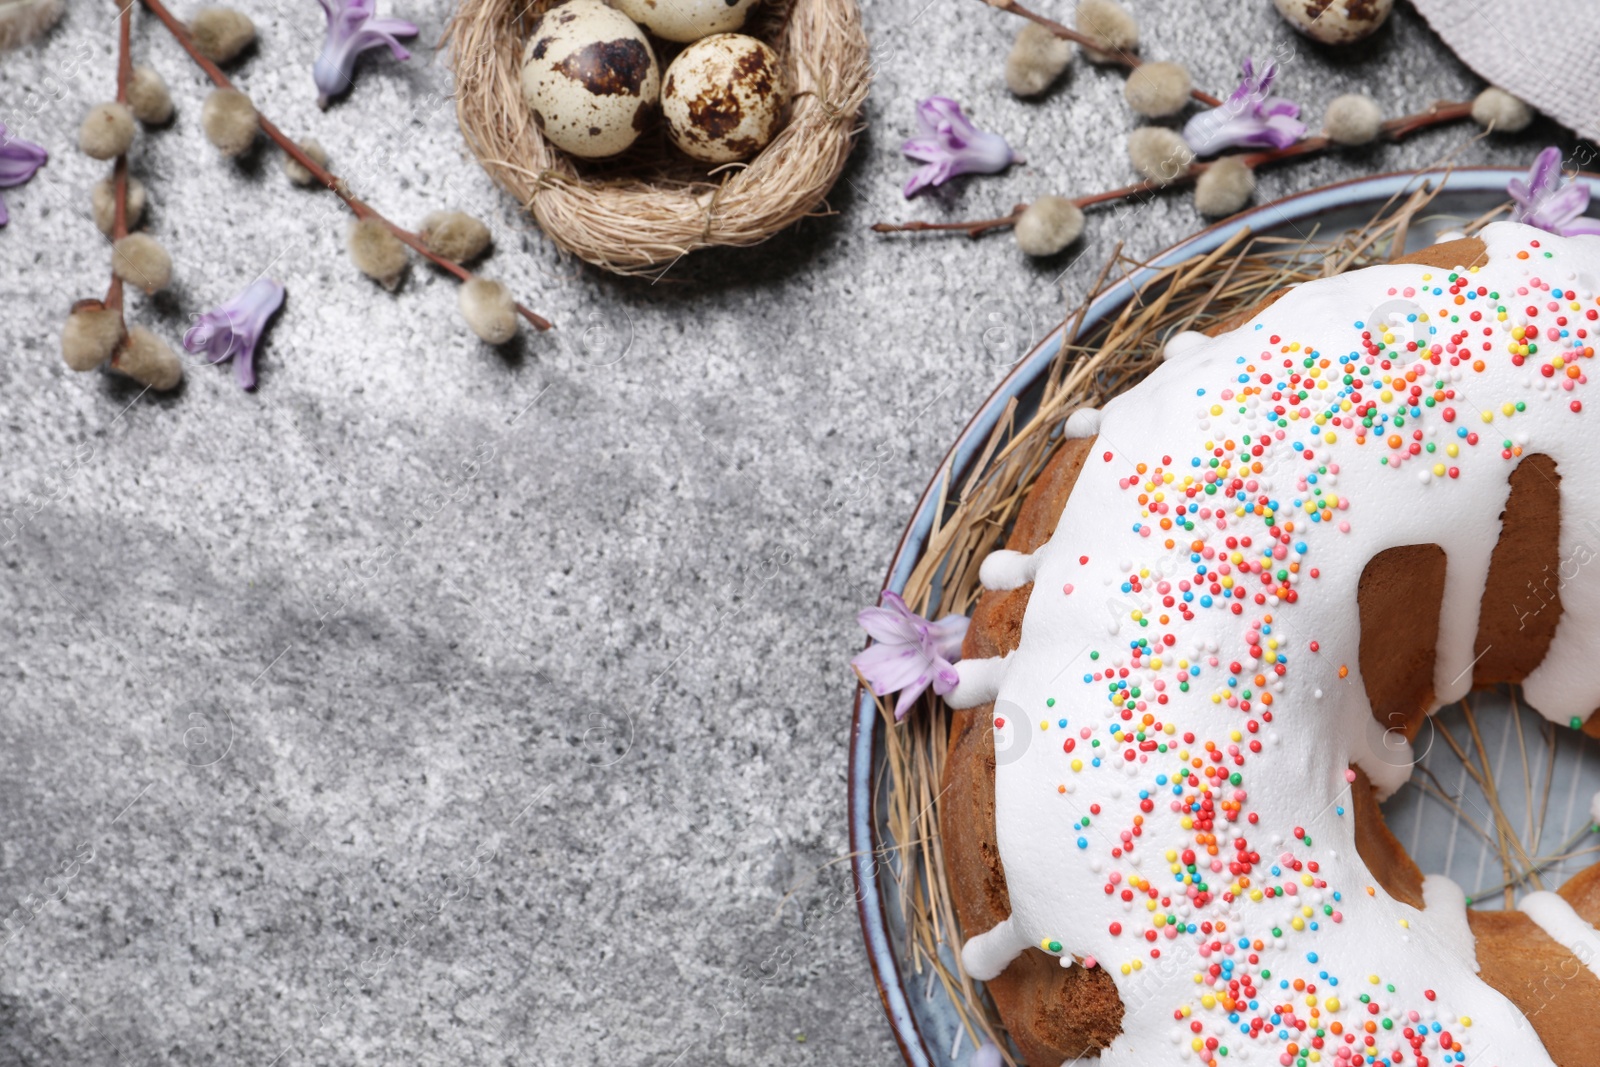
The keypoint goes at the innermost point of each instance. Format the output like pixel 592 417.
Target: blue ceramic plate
pixel 924 1021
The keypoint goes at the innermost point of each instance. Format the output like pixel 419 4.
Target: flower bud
pixel 1037 59
pixel 1224 187
pixel 221 33
pixel 23 20
pixel 1353 119
pixel 139 260
pixel 146 358
pixel 1157 90
pixel 107 131
pixel 1048 225
pixel 298 173
pixel 103 198
pixel 148 97
pixel 230 121
pixel 1159 154
pixel 91 334
pixel 378 253
pixel 1497 110
pixel 454 235
pixel 489 310
pixel 1114 30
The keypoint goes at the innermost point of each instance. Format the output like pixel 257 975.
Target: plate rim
pixel 864 838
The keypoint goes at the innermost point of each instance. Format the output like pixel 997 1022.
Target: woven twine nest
pixel 653 204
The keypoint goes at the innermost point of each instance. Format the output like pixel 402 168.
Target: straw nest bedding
pixel 653 205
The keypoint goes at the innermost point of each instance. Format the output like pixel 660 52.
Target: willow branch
pixel 1394 130
pixel 360 208
pixel 975 228
pixel 119 172
pixel 1127 60
pixel 1440 111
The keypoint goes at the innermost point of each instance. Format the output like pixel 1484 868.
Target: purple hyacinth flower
pixel 19 160
pixel 1248 118
pixel 950 144
pixel 908 652
pixel 352 29
pixel 1550 203
pixel 233 330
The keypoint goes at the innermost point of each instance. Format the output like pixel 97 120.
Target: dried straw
pixel 975 513
pixel 653 205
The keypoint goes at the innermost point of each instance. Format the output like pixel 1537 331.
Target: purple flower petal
pixel 908 653
pixel 942 113
pixel 232 330
pixel 1550 202
pixel 945 679
pixel 950 145
pixel 924 149
pixel 1248 118
pixel 891 623
pixel 1546 172
pixel 1582 227
pixel 926 177
pixel 947 635
pixel 353 29
pixel 891 667
pixel 1283 130
pixel 908 698
pixel 19 161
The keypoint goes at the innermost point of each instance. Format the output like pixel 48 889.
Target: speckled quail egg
pixel 687 20
pixel 724 97
pixel 1335 21
pixel 590 77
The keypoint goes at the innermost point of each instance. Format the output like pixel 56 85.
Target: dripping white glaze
pixel 980 682
pixel 1182 343
pixel 1085 422
pixel 987 954
pixel 1005 569
pixel 1446 901
pixel 1290 717
pixel 1566 927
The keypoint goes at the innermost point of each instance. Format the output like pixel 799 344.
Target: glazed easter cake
pixel 1224 611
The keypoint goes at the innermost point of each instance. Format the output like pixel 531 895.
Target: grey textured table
pixel 441 705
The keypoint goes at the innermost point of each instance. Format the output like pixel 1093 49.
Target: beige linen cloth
pixel 1546 52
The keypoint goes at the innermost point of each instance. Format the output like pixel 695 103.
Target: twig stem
pixel 359 207
pixel 119 172
pixel 975 228
pixel 1395 130
pixel 1128 60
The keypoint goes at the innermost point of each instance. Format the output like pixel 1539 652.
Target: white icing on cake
pixel 1085 422
pixel 980 682
pixel 1445 901
pixel 1170 789
pixel 1182 343
pixel 1007 570
pixel 1565 926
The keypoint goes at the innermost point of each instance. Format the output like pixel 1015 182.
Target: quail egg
pixel 590 77
pixel 1335 21
pixel 687 20
pixel 724 97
